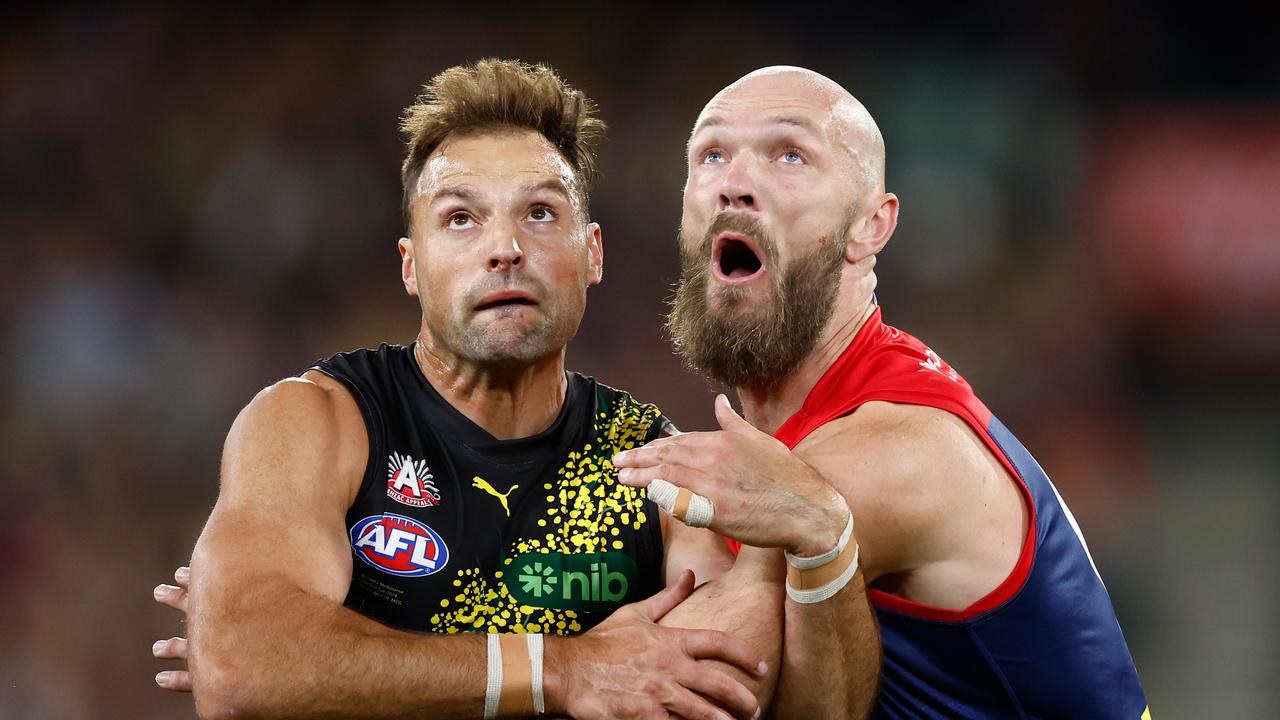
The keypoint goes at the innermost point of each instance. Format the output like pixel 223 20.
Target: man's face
pixel 768 204
pixel 501 254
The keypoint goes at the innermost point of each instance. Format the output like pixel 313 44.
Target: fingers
pixel 172 649
pixel 720 688
pixel 654 608
pixel 175 680
pixel 668 449
pixel 174 597
pixel 696 479
pixel 183 576
pixel 686 704
pixel 700 644
pixel 727 417
pixel 682 504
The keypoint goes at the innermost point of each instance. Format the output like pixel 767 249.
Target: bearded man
pixel 988 604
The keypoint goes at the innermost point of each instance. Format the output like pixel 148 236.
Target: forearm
pixel 277 652
pixel 830 657
pixel 747 603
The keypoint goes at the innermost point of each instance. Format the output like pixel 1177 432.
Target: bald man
pixel 988 604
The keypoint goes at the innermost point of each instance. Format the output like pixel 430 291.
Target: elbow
pixel 224 689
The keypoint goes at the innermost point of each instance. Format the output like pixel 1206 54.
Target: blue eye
pixel 791 157
pixel 713 156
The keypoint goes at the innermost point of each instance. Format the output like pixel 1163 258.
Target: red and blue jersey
pixel 1046 642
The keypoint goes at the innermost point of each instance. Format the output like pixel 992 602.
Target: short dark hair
pixel 494 94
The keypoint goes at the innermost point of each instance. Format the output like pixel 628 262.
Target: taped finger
pixel 682 504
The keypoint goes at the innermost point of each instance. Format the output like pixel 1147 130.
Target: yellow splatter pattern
pixel 586 511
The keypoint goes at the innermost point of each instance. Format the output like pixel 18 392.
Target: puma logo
pixel 479 482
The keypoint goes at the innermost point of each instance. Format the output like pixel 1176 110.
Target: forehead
pixel 498 157
pixel 770 99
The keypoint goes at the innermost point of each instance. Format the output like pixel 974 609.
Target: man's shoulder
pixel 882 429
pixel 310 401
pixel 898 450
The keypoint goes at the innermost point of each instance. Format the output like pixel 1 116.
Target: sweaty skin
pixel 938 519
pixel 270 636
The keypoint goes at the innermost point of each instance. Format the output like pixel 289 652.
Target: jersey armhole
pixel 1017 577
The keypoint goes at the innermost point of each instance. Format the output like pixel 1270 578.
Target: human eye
pixel 541 214
pixel 460 221
pixel 792 157
pixel 712 157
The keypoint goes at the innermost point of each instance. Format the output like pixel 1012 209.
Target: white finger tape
pixel 682 504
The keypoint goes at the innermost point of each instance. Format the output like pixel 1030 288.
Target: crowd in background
pixel 196 203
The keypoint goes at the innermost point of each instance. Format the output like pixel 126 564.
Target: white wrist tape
pixel 535 657
pixel 682 504
pixel 814 579
pixel 493 688
pixel 514 685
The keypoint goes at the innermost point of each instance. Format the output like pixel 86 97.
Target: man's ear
pixel 408 267
pixel 869 234
pixel 595 250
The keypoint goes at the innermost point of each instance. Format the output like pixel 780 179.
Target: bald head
pixel 800 96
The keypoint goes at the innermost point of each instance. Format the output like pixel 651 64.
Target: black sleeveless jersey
pixel 453 530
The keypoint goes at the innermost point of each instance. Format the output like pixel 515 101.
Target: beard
pixel 745 347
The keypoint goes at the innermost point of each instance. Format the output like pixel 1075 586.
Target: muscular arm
pixel 939 522
pixel 831 654
pixel 270 637
pixel 269 634
pixel 742 597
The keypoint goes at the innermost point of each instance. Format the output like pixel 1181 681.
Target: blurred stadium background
pixel 195 202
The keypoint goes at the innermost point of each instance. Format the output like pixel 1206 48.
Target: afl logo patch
pixel 409 482
pixel 399 545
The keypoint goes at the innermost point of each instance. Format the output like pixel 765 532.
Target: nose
pixel 738 187
pixel 504 253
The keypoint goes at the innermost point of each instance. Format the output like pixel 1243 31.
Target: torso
pixel 1033 638
pixel 452 530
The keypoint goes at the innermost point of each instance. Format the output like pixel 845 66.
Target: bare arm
pixel 270 637
pixel 831 655
pixel 766 496
pixel 742 597
pixel 939 522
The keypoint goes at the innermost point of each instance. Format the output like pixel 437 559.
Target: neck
pixel 767 408
pixel 508 402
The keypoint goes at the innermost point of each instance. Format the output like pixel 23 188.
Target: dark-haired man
pixel 462 486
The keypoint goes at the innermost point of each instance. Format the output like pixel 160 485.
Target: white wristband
pixel 535 657
pixel 493 688
pixel 812 563
pixel 520 668
pixel 814 579
pixel 825 592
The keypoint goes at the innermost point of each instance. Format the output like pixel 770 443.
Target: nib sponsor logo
pixel 399 545
pixel 571 581
pixel 409 482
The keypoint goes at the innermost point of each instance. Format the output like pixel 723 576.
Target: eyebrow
pixel 461 192
pixel 552 184
pixel 466 194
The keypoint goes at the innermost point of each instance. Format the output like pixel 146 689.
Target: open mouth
pixel 502 300
pixel 736 258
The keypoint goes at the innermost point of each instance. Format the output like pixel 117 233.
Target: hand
pixel 174 648
pixel 764 495
pixel 629 667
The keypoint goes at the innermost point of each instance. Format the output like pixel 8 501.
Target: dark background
pixel 195 202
